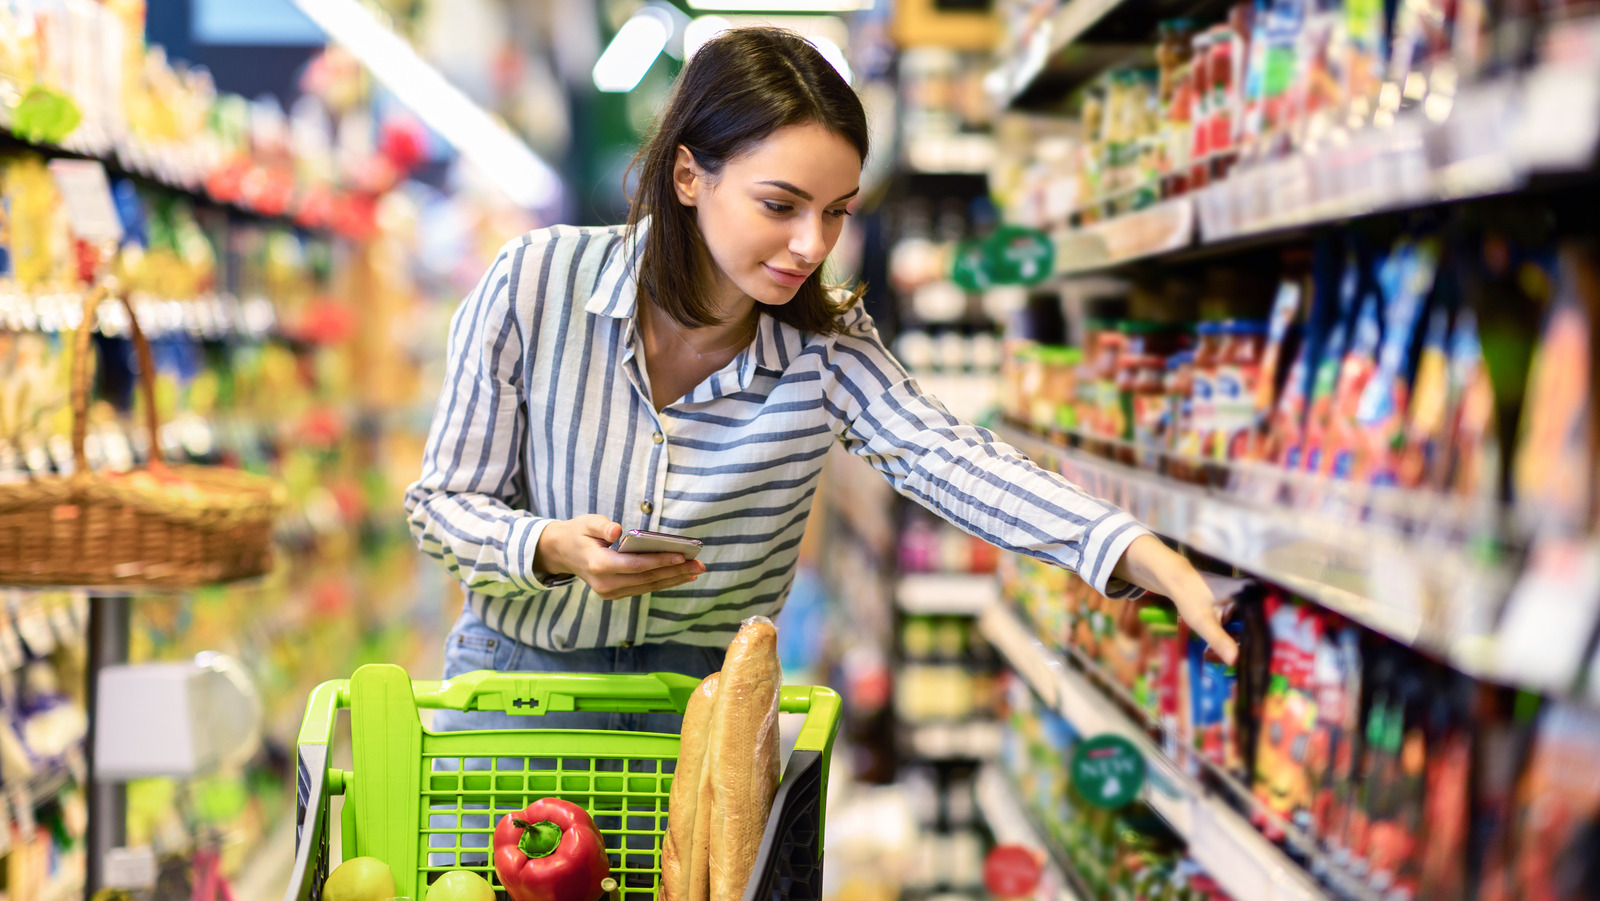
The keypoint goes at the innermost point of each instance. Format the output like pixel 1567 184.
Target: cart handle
pixel 535 694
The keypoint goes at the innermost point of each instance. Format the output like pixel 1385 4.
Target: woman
pixel 687 373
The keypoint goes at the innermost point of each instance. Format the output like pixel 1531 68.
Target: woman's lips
pixel 787 277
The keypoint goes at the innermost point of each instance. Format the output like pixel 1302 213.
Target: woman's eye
pixel 839 213
pixel 776 207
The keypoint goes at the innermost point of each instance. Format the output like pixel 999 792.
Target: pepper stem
pixel 538 839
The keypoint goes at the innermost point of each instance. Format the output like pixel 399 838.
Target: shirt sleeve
pixel 964 473
pixel 461 510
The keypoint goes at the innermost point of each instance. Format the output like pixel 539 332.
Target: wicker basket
pixel 159 526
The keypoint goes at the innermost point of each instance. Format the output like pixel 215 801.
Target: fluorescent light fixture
pixel 783 6
pixel 831 52
pixel 480 139
pixel 700 30
pixel 633 51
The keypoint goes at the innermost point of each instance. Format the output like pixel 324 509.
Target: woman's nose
pixel 808 242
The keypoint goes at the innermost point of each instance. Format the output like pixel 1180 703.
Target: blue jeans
pixel 473 645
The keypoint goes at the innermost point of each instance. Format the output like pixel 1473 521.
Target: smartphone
pixel 641 541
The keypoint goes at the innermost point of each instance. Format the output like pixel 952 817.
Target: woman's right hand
pixel 582 547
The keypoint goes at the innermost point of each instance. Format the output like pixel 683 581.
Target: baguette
pixel 681 879
pixel 742 760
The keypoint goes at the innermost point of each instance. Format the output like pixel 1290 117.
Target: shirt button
pixel 646 507
pixel 658 437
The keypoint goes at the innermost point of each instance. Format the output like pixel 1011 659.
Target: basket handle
pixel 80 380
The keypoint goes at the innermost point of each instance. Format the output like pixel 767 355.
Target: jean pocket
pixel 470 649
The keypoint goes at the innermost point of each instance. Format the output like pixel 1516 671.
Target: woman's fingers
pixel 1205 619
pixel 598 527
pixel 613 562
pixel 673 581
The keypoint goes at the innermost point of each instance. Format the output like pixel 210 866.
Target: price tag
pixel 86 194
pixel 1551 614
pixel 1108 771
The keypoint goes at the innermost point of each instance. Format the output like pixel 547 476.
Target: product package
pixel 1554 476
pixel 1337 687
pixel 1281 347
pixel 1288 716
pixel 1379 415
pixel 1339 384
pixel 1447 814
pixel 1426 427
pixel 1558 808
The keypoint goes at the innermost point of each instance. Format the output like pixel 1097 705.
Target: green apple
pixel 461 885
pixel 360 879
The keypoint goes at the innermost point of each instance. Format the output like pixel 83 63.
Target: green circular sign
pixel 1107 771
pixel 971 268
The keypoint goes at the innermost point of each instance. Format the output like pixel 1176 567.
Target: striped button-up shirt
pixel 546 414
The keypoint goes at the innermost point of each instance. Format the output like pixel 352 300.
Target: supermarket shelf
pixel 1239 857
pixel 942 594
pixel 1439 579
pixel 937 742
pixel 1166 227
pixel 1081 39
pixel 1491 139
pixel 1011 824
pixel 180 176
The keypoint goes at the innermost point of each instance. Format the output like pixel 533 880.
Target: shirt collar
pixel 615 293
pixel 615 296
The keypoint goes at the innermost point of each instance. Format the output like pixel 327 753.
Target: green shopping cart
pixel 425 803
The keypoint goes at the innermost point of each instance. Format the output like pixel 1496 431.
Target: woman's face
pixel 773 214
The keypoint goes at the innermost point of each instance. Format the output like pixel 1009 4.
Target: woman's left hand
pixel 1155 567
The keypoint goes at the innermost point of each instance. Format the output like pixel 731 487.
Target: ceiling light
pixel 633 51
pixel 701 30
pixel 480 139
pixel 783 6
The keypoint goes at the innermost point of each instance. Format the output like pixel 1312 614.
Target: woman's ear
pixel 687 176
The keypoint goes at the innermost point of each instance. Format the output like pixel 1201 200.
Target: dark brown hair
pixel 738 89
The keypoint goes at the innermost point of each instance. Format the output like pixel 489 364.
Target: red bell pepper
pixel 551 851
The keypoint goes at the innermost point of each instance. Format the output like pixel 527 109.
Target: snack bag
pixel 1383 402
pixel 1282 782
pixel 1275 358
pixel 1287 433
pixel 1162 673
pixel 1336 685
pixel 1505 725
pixel 1447 810
pixel 1474 448
pixel 1385 846
pixel 1330 362
pixel 1334 454
pixel 1553 476
pixel 1212 697
pixel 1425 430
pixel 1558 806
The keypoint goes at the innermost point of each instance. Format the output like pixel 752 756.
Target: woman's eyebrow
pixel 804 195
